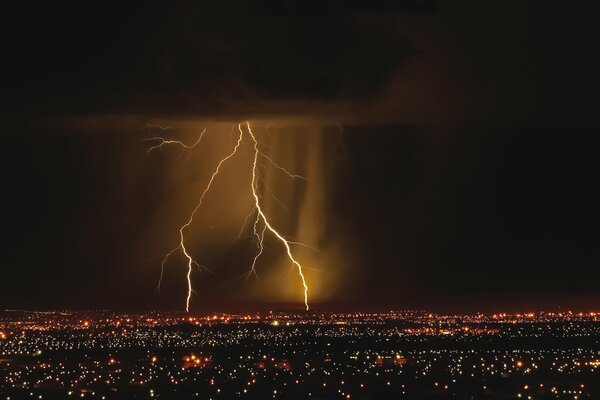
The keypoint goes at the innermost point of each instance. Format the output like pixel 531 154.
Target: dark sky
pixel 470 135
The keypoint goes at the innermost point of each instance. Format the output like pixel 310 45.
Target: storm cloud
pixel 210 58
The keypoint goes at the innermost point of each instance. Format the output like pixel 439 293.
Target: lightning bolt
pixel 260 218
pixel 279 167
pixel 264 219
pixel 260 238
pixel 162 141
pixel 181 246
pixel 191 219
pixel 246 222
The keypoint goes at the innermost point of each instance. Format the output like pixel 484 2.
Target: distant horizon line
pixel 524 311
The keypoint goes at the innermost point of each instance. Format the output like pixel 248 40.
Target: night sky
pixel 467 170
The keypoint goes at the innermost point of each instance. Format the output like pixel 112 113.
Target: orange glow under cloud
pixel 283 188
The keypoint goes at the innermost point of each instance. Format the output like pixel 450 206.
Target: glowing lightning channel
pixel 262 216
pixel 260 240
pixel 246 222
pixel 274 196
pixel 162 268
pixel 181 245
pixel 163 141
pixel 159 146
pixel 279 167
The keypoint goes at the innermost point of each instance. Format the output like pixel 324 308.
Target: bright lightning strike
pixel 260 238
pixel 162 141
pixel 184 250
pixel 260 214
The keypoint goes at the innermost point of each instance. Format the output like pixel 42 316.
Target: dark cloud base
pixel 198 57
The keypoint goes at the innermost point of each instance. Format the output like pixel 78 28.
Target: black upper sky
pixel 474 126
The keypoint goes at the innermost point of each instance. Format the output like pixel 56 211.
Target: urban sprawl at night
pixel 299 355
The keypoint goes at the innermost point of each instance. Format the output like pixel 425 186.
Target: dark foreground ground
pixel 285 355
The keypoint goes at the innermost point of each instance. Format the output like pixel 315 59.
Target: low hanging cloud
pixel 212 59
